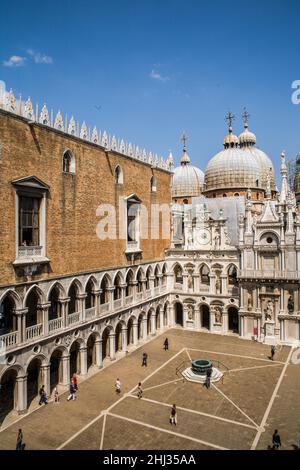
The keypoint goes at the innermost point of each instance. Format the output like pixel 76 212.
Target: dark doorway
pixel 205 317
pixel 55 369
pixel 75 359
pixel 178 314
pixel 8 393
pixel 233 320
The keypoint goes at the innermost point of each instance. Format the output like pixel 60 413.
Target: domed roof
pixel 187 180
pixel 232 168
pixel 230 140
pixel 247 138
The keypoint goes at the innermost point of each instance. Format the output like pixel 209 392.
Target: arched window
pixel 139 278
pixel 232 276
pixel 129 284
pixel 68 162
pixel 185 201
pixel 153 184
pixel 178 274
pixel 118 175
pixel 8 318
pixel 224 195
pixel 104 296
pixel 117 286
pixel 236 194
pixel 204 275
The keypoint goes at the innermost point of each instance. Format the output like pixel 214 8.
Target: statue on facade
pixel 216 241
pixel 249 302
pixel 249 194
pixel 190 312
pixel 270 310
pixel 217 285
pixel 291 304
pixel 190 281
pixel 218 315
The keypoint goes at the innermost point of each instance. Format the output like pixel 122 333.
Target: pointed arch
pixel 129 280
pixel 68 162
pixel 40 293
pixel 119 176
pixel 8 318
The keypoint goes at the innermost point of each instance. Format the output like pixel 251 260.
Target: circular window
pixel 10 360
pixel 76 333
pixel 58 341
pixel 232 301
pixel 93 327
pixel 203 298
pixel 269 240
pixel 36 349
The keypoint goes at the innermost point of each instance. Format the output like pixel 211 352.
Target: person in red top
pixel 74 381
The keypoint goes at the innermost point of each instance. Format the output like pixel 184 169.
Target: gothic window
pixel 29 221
pixel 68 162
pixel 232 275
pixel 153 184
pixel 178 274
pixel 236 194
pixel 118 175
pixel 118 289
pixel 204 275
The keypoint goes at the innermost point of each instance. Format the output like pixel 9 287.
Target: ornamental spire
pixel 185 159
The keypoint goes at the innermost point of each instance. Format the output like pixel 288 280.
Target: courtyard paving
pixel 241 411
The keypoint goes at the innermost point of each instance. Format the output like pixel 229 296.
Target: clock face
pixel 203 237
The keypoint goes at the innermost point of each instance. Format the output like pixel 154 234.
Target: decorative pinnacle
pixel 245 115
pixel 184 139
pixel 229 118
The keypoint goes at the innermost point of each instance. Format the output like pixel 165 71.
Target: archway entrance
pixel 205 317
pixel 178 314
pixel 8 393
pixel 130 331
pixel 34 380
pixel 91 351
pixel 118 337
pixel 140 327
pixel 56 371
pixel 75 366
pixel 105 343
pixel 233 320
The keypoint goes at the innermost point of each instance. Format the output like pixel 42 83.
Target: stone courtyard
pixel 241 411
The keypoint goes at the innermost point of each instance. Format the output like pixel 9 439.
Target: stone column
pixel 224 285
pixel 241 326
pixel 97 301
pixel 185 315
pixel 45 312
pixel 144 328
pixel 135 332
pixel 81 303
pixel 281 299
pixel 124 339
pixel 197 324
pixel 123 292
pixel 112 349
pixel 196 278
pixel 151 284
pixel 161 318
pixel 21 404
pixel 98 346
pixel 185 282
pixel 110 291
pixel 225 322
pixel 64 310
pixel 171 316
pixel 46 378
pixel 83 361
pixel 153 324
pixel 21 322
pixel 66 369
pixel 212 283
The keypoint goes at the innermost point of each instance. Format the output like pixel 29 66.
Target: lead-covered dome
pixel 232 168
pixel 187 180
pixel 247 141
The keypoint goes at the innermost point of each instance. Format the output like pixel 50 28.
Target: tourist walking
pixel 145 359
pixel 56 396
pixel 208 376
pixel 19 444
pixel 139 390
pixel 72 395
pixel 75 382
pixel 276 441
pixel 118 386
pixel 173 415
pixel 166 344
pixel 273 351
pixel 43 396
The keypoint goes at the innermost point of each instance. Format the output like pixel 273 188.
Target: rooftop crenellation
pixel 109 142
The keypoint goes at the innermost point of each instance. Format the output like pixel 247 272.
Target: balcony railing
pixel 56 324
pixel 104 308
pixel 117 304
pixel 8 340
pixel 29 251
pixel 73 318
pixel 129 300
pixel 90 312
pixel 138 296
pixel 156 290
pixel 34 331
pixel 269 274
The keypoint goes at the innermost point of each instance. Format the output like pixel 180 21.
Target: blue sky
pixel 147 70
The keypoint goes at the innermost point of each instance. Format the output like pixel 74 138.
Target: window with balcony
pixel 133 209
pixel 30 221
